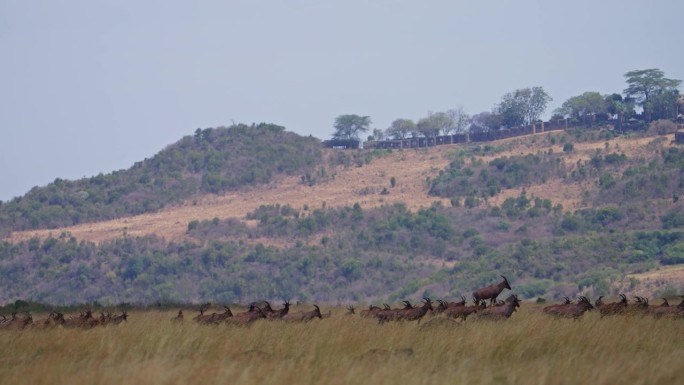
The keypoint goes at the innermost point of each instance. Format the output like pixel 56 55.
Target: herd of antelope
pixel 262 310
pixel 85 320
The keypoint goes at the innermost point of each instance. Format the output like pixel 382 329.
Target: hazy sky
pixel 94 86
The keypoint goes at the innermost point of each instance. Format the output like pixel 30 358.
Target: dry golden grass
pixel 529 348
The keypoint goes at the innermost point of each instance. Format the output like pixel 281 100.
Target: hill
pixel 212 161
pixel 558 213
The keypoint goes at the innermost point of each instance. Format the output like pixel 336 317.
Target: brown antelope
pixel 670 311
pixel 247 318
pixel 417 313
pixel 653 308
pixel 53 319
pixel 500 312
pixel 370 312
pixel 611 308
pixel 83 320
pixel 463 311
pixel 17 322
pixel 216 318
pixel 570 310
pixel 179 317
pixel 492 291
pixel 350 310
pixel 389 314
pixel 304 316
pixel 123 317
pixel 264 306
pixel 280 313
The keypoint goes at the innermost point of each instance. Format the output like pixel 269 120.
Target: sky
pixel 89 87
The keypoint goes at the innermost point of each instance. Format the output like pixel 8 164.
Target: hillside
pixel 559 212
pixel 213 160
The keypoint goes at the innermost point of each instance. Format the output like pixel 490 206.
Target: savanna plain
pixel 528 348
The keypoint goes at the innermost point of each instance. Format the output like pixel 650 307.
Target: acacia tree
pixel 401 128
pixel 652 91
pixel 350 126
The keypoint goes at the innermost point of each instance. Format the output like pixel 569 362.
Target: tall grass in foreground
pixel 529 348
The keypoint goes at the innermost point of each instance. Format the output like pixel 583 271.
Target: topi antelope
pixel 417 313
pixel 280 313
pixel 570 310
pixel 611 308
pixel 179 317
pixel 372 311
pixel 492 291
pixel 216 318
pixel 500 312
pixel 670 311
pixel 304 316
pixel 463 311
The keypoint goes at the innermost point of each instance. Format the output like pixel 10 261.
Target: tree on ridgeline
pixel 655 93
pixel 350 126
pixel 523 106
pixel 589 103
pixel 401 128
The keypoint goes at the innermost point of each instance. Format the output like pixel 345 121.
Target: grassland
pixel 529 348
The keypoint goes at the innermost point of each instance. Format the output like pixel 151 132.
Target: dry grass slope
pixel 529 348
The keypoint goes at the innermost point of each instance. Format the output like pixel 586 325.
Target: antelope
pixel 123 317
pixel 18 323
pixel 416 313
pixel 462 302
pixel 612 308
pixel 350 310
pixel 570 310
pixel 53 319
pixel 215 318
pixel 304 317
pixel 85 319
pixel 443 305
pixel 463 311
pixel 264 306
pixel 500 312
pixel 492 291
pixel 670 311
pixel 179 317
pixel 370 312
pixel 389 314
pixel 280 313
pixel 247 318
pixel 201 315
pixel 654 308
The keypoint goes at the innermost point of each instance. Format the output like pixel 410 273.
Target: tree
pixel 378 134
pixel 485 121
pixel 523 106
pixel 401 128
pixel 350 126
pixel 435 123
pixel 616 105
pixel 647 87
pixel 589 103
pixel 460 119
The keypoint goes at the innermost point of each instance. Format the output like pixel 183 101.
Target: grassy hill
pixel 212 161
pixel 557 213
